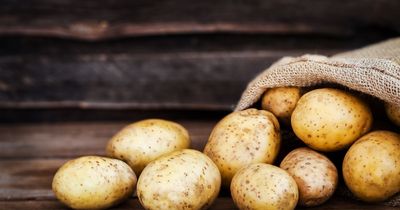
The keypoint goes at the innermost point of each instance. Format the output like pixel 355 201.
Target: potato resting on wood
pixel 93 182
pixel 264 186
pixel 144 141
pixel 242 138
pixel 185 179
pixel 316 176
pixel 371 167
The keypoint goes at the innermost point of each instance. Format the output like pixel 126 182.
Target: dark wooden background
pixel 152 55
pixel 73 72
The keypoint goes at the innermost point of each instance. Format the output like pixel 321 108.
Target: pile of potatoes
pixel 240 155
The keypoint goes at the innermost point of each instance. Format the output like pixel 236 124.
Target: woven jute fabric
pixel 373 70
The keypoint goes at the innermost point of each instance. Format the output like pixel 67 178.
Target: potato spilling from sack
pixel 281 102
pixel 239 154
pixel 371 167
pixel 316 176
pixel 144 141
pixel 242 138
pixel 330 119
pixel 93 182
pixel 263 186
pixel 185 179
pixel 393 113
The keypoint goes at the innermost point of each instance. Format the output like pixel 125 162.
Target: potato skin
pixel 242 138
pixel 93 182
pixel 316 176
pixel 371 167
pixel 265 187
pixel 393 113
pixel 185 179
pixel 329 119
pixel 144 141
pixel 281 102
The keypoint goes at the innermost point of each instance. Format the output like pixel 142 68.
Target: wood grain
pixel 195 81
pixel 189 72
pixel 221 203
pixel 31 154
pixel 44 140
pixel 94 20
pixel 27 183
pixel 49 140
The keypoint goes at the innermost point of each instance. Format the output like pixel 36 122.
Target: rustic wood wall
pixel 191 55
pixel 94 20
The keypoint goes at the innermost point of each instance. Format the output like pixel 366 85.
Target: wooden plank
pixel 212 81
pixel 30 179
pixel 221 203
pixel 26 180
pixel 43 140
pixel 132 204
pixel 23 141
pixel 205 73
pixel 31 154
pixel 53 115
pixel 94 20
pixel 191 81
pixel 159 45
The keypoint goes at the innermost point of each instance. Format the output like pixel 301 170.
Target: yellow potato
pixel 265 187
pixel 329 119
pixel 242 138
pixel 93 182
pixel 185 179
pixel 393 113
pixel 281 102
pixel 371 167
pixel 144 141
pixel 316 176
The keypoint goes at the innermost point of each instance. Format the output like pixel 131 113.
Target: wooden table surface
pixel 31 153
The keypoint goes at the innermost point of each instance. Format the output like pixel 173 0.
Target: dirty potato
pixel 393 113
pixel 281 102
pixel 316 176
pixel 242 138
pixel 185 179
pixel 93 182
pixel 371 167
pixel 144 141
pixel 329 119
pixel 263 186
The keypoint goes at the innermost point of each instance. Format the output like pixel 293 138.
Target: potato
pixel 144 141
pixel 316 176
pixel 329 119
pixel 185 179
pixel 371 167
pixel 263 186
pixel 242 138
pixel 93 182
pixel 393 113
pixel 281 102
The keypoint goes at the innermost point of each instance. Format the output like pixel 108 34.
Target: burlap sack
pixel 374 70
